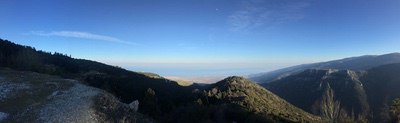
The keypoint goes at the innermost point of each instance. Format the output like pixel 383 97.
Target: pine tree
pixel 150 103
pixel 395 110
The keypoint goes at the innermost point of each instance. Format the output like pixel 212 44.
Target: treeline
pixel 126 85
pixel 159 98
pixel 28 58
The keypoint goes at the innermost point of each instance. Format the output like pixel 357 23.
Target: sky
pixel 204 37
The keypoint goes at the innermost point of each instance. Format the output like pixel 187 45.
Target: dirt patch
pixel 38 98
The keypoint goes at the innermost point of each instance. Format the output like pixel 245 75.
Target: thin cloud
pixel 266 13
pixel 82 35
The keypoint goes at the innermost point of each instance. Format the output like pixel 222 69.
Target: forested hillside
pixel 358 95
pixel 125 85
pixel 234 99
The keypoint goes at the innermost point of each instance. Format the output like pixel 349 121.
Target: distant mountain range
pixel 352 63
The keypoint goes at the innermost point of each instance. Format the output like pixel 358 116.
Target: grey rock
pixel 3 116
pixel 36 100
pixel 134 105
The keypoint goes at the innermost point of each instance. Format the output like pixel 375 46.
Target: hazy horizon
pixel 194 39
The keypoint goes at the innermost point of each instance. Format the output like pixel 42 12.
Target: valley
pixel 356 93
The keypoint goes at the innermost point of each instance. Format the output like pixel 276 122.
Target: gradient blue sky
pixel 204 37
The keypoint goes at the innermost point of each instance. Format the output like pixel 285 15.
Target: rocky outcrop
pixel 260 102
pixel 134 105
pixel 346 85
pixel 33 97
pixel 3 116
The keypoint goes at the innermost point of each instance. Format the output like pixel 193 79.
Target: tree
pixel 199 101
pixel 329 108
pixel 150 103
pixel 395 110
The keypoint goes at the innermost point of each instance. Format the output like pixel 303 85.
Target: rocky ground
pixel 33 97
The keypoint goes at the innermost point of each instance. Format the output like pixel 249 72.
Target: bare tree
pixel 328 107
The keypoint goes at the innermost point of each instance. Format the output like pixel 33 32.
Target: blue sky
pixel 204 37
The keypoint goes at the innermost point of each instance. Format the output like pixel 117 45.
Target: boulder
pixel 134 105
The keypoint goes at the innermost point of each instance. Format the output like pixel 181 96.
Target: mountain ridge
pixel 363 95
pixel 353 63
pixel 245 93
pixel 160 99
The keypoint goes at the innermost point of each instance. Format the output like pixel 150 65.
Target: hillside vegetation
pixel 126 85
pixel 359 95
pixel 234 99
pixel 261 102
pixel 37 98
